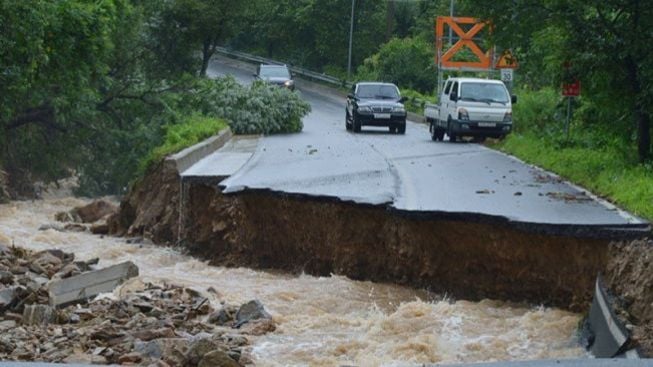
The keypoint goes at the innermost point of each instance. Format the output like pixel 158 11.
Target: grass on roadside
pixel 604 172
pixel 192 130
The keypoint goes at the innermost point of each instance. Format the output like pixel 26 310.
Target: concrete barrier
pixel 609 334
pixel 181 161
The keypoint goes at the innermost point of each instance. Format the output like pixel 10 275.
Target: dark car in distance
pixel 278 75
pixel 375 104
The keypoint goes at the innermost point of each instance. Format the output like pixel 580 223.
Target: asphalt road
pixel 411 173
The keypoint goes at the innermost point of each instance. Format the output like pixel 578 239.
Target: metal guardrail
pixel 308 74
pixel 305 73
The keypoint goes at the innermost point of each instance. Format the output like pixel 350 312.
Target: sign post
pixel 570 89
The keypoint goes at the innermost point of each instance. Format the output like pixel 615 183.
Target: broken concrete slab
pixel 610 335
pixel 38 315
pixel 81 287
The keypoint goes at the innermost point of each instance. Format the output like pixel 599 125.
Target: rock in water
pixel 95 211
pixel 252 310
pixel 198 349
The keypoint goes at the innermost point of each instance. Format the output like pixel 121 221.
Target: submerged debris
pixel 140 323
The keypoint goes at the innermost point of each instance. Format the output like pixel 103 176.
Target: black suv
pixel 375 104
pixel 275 74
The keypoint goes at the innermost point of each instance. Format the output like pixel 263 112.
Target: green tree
pixel 607 41
pixel 204 24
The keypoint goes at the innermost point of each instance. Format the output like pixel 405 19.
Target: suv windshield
pixel 383 91
pixel 484 92
pixel 274 72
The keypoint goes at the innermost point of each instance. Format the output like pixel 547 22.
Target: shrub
pixel 415 101
pixel 257 109
pixel 538 111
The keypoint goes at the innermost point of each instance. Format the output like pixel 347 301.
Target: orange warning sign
pixel 507 61
pixel 465 40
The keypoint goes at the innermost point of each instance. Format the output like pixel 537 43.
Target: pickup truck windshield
pixel 378 91
pixel 484 92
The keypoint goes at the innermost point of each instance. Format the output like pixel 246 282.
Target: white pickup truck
pixel 479 108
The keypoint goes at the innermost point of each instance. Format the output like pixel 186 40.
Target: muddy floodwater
pixel 325 321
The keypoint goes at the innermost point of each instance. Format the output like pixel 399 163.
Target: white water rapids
pixel 325 321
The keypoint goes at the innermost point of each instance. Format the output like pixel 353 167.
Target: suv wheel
pixel 402 128
pixel 347 121
pixel 356 123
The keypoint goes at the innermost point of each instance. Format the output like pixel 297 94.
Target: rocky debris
pixel 141 323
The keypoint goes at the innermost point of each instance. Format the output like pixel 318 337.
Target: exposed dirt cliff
pixel 462 259
pixel 629 274
pixel 151 209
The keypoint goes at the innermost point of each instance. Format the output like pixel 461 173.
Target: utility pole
pixel 451 15
pixel 351 38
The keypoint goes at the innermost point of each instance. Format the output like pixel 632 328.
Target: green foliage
pixel 415 101
pixel 603 170
pixel 188 132
pixel 606 44
pixel 406 62
pixel 86 87
pixel 257 109
pixel 537 111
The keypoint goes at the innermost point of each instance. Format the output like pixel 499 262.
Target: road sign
pixel 507 61
pixel 571 89
pixel 506 75
pixel 445 60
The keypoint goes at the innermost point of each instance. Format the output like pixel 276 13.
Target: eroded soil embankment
pixel 462 259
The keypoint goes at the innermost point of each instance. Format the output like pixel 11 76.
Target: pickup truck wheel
pixel 452 136
pixel 402 129
pixel 356 123
pixel 434 132
pixel 347 122
pixel 440 135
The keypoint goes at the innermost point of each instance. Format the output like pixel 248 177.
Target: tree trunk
pixel 206 56
pixel 640 114
pixel 643 133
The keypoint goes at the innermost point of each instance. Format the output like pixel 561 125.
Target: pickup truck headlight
pixel 463 114
pixel 288 83
pixel 364 109
pixel 507 117
pixel 399 109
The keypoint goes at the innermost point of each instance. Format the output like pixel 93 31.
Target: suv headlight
pixel 364 109
pixel 507 117
pixel 463 114
pixel 399 109
pixel 288 83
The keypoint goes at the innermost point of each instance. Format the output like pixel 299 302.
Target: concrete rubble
pixel 136 324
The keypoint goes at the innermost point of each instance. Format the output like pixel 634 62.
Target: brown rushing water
pixel 325 321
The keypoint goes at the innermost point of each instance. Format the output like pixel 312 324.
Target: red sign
pixel 571 89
